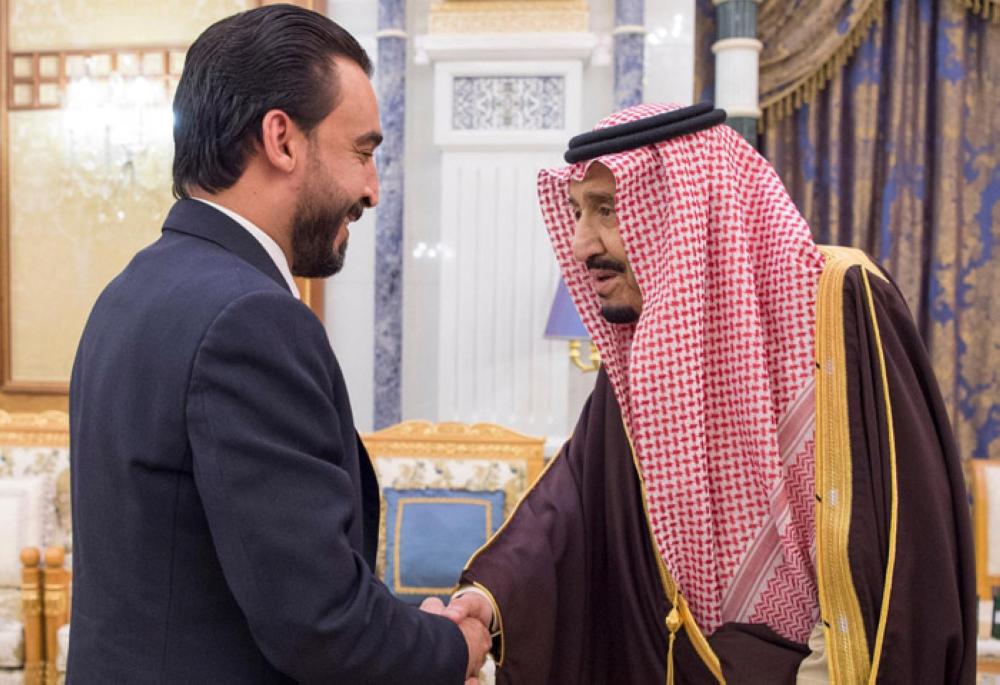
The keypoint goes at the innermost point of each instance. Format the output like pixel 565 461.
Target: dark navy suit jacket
pixel 225 512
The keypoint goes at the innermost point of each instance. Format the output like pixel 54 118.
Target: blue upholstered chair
pixel 446 488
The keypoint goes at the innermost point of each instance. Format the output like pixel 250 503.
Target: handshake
pixel 473 614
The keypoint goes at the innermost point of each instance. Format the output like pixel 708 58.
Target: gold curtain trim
pixel 987 9
pixel 792 97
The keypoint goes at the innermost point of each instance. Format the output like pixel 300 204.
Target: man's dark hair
pixel 273 57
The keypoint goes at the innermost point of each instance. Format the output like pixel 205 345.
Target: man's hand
pixel 476 634
pixel 470 605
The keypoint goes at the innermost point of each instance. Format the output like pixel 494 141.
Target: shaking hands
pixel 472 613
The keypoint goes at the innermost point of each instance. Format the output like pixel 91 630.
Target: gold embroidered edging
pixel 852 256
pixel 846 642
pixel 698 641
pixel 894 515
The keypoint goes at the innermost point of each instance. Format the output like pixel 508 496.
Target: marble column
pixel 390 81
pixel 737 56
pixel 630 36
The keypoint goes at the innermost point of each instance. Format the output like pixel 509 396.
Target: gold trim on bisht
pixel 499 619
pixel 894 514
pixel 846 640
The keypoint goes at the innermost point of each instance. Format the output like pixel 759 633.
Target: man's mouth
pixel 604 281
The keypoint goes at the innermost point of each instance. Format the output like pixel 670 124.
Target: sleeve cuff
pixel 496 620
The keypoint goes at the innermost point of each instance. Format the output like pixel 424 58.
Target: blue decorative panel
pixel 430 534
pixel 508 103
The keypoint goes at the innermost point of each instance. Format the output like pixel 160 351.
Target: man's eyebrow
pixel 597 198
pixel 373 138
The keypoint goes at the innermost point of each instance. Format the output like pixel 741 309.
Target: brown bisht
pixel 584 598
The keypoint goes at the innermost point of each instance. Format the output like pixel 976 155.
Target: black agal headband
pixel 633 134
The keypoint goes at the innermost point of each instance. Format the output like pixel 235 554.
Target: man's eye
pixel 606 211
pixel 576 214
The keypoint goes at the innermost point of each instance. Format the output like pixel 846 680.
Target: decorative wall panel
pixel 505 103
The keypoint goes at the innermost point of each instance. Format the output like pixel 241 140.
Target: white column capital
pixel 727 44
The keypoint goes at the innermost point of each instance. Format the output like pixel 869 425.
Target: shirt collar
pixel 266 241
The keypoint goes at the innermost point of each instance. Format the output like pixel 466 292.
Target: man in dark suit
pixel 226 514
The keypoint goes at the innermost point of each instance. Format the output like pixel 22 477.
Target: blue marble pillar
pixel 390 83
pixel 630 47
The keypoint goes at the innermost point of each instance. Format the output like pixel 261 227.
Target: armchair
pixel 34 510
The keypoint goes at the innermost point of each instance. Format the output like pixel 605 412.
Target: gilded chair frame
pixel 450 440
pixel 980 526
pixel 45 588
pixel 980 533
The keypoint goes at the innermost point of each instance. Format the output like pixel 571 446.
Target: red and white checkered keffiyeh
pixel 715 380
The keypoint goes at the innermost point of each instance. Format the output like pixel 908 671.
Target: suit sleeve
pixel 275 480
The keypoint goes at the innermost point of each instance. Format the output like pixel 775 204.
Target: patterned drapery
pixel 900 155
pixel 805 44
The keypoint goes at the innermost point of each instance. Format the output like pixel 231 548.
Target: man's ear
pixel 281 140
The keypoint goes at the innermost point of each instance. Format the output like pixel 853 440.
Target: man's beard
pixel 619 314
pixel 315 226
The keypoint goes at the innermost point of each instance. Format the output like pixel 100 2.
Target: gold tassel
pixel 670 661
pixel 673 622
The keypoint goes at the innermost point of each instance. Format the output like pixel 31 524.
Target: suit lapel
pixel 204 221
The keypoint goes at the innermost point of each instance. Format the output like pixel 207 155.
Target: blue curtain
pixel 899 155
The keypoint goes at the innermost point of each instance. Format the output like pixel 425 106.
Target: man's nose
pixel 585 242
pixel 370 196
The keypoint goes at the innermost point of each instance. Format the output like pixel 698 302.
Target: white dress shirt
pixel 271 247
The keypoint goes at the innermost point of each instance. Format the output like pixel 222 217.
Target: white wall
pixel 421 276
pixel 669 51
